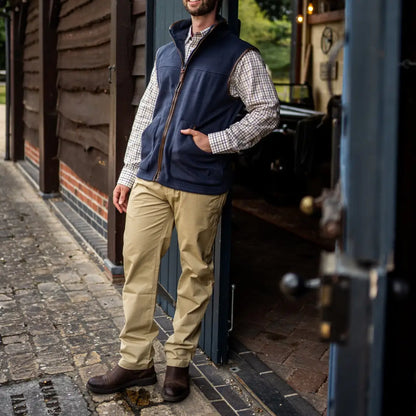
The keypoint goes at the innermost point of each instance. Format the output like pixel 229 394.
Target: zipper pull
pixel 182 74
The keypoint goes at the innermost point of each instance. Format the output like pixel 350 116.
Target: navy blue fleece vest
pixel 199 100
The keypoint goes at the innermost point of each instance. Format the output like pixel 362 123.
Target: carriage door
pixel 160 15
pixel 362 272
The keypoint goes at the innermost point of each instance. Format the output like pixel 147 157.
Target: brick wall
pixel 88 202
pixel 31 154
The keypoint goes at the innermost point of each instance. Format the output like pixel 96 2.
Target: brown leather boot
pixel 176 386
pixel 119 378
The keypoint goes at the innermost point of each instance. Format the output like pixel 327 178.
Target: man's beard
pixel 207 6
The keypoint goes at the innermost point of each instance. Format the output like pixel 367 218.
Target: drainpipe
pixel 7 30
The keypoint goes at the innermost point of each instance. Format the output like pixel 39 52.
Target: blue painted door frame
pixel 368 180
pixel 214 334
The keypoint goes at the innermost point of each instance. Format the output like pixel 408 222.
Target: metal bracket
pixel 334 299
pixel 232 308
pixel 337 271
pixel 339 264
pixel 111 69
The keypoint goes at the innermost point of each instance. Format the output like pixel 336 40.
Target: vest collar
pixel 179 31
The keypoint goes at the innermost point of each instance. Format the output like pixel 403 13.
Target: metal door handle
pixel 294 286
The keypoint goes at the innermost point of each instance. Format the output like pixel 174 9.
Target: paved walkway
pixel 60 318
pixel 59 323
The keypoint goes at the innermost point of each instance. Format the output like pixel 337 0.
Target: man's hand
pixel 121 197
pixel 200 139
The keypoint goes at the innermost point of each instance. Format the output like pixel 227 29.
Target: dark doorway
pixel 267 242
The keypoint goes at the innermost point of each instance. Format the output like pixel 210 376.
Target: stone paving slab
pixel 50 396
pixel 60 318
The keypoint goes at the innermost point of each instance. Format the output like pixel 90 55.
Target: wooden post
pixel 296 42
pixel 306 64
pixel 122 115
pixel 17 26
pixel 48 140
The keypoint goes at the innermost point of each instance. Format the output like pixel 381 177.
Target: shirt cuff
pixel 218 142
pixel 127 178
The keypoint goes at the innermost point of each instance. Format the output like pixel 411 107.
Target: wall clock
pixel 327 39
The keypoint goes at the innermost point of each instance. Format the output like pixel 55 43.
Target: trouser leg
pixel 149 223
pixel 196 219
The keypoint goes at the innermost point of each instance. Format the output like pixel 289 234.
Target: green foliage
pixel 3 94
pixel 272 38
pixel 276 9
pixel 2 43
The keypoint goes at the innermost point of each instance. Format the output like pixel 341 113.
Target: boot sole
pixel 141 382
pixel 174 399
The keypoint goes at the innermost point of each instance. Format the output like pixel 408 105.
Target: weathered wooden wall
pixel 139 45
pixel 83 90
pixel 31 76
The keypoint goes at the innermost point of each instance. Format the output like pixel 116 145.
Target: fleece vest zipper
pixel 172 108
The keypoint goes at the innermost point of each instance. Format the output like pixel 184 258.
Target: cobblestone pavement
pixel 58 313
pixel 60 319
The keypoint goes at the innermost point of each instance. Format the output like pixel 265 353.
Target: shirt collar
pixel 198 34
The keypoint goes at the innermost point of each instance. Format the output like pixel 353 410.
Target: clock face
pixel 327 39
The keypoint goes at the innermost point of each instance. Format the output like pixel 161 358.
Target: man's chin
pixel 200 8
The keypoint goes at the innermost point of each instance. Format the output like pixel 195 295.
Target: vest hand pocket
pixel 200 140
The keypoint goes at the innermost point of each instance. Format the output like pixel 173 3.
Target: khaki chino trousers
pixel 153 210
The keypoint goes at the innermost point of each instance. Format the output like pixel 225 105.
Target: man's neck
pixel 199 23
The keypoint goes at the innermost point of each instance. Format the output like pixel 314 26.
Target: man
pixel 177 172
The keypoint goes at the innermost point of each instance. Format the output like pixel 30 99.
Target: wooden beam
pixel 22 18
pixel 48 141
pixel 122 114
pixel 54 8
pixel 90 166
pixel 327 17
pixel 306 64
pixel 139 7
pixel 16 81
pixel 296 43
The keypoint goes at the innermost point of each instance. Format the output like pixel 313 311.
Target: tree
pixel 3 4
pixel 2 43
pixel 271 37
pixel 276 9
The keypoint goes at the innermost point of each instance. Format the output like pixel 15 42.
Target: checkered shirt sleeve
pixel 143 118
pixel 250 82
